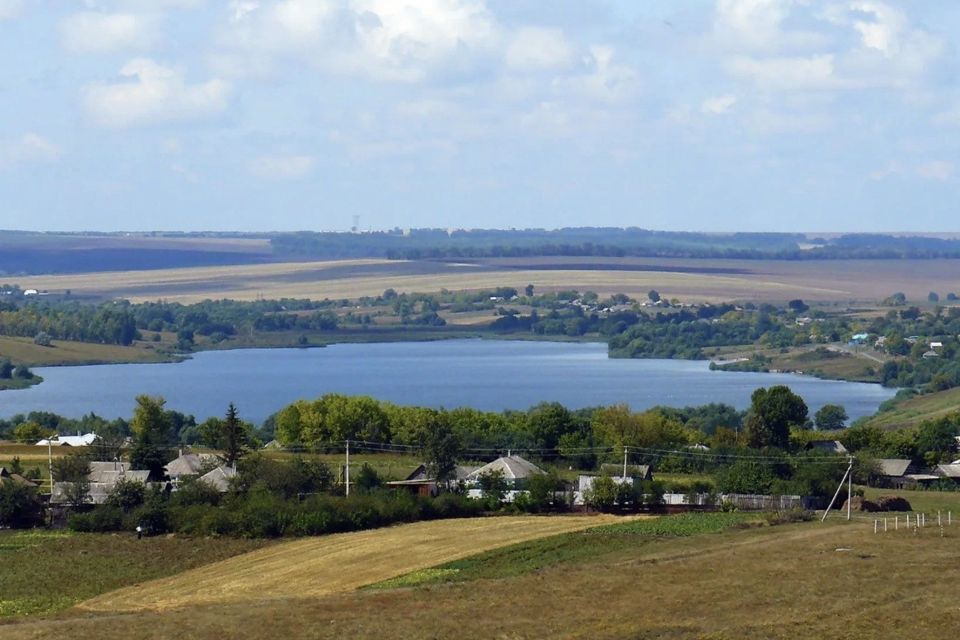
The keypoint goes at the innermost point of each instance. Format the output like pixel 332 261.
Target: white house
pixel 78 440
pixel 516 472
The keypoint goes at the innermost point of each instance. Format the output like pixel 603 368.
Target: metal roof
pixel 893 467
pixel 512 468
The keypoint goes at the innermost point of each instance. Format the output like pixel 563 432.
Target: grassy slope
pixel 793 581
pixel 68 352
pixel 48 571
pixel 917 409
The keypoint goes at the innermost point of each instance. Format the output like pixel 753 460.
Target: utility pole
pixel 849 486
pixel 50 463
pixel 348 469
pixel 846 475
pixel 624 464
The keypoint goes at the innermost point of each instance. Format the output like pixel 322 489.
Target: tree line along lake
pixel 485 374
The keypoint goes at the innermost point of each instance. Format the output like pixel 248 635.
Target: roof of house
pixel 460 472
pixel 188 464
pixel 893 467
pixel 16 478
pixel 951 470
pixel 828 446
pixel 78 440
pixel 219 478
pixel 103 478
pixel 512 468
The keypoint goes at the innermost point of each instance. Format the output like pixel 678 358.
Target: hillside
pixel 913 411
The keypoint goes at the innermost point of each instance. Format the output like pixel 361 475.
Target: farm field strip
pixel 329 564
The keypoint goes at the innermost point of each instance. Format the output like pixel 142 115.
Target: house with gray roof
pixel 423 483
pixel 516 472
pixel 103 478
pixel 189 464
pixel 219 478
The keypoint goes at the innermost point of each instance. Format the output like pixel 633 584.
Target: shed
pixel 422 483
pixel 895 471
pixel 635 471
pixel 7 476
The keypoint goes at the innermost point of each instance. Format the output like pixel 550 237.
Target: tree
pixel 368 480
pixel 772 412
pixel 798 306
pixel 6 369
pixel 231 435
pixel 493 487
pixel 528 290
pixel 151 427
pixel 21 371
pixel 654 295
pixel 602 494
pixel 933 297
pixel 42 339
pixel 20 508
pixel 936 439
pixel 31 432
pixel 830 416
pixel 74 472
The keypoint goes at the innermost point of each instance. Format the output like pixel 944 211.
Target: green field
pixel 66 352
pixel 44 571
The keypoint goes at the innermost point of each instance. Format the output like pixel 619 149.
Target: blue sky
pixel 741 115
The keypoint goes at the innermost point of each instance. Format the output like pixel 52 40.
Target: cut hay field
pixel 689 280
pixel 320 566
pixel 792 581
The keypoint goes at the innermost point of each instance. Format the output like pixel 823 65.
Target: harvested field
pixel 75 353
pixel 689 280
pixel 795 581
pixel 329 564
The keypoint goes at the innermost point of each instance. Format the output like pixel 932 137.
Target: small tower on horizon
pixel 356 224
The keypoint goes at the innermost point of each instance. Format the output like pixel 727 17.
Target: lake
pixel 485 374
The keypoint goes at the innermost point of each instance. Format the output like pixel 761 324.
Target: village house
pixel 103 478
pixel 899 473
pixel 421 482
pixel 516 473
pixel 78 440
pixel 189 464
pixel 15 478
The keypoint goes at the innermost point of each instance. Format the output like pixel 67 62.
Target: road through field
pixel 328 564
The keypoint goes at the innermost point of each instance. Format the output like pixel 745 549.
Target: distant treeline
pixel 419 244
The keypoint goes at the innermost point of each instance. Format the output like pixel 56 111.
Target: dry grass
pixel 796 581
pixel 689 280
pixel 913 411
pixel 329 564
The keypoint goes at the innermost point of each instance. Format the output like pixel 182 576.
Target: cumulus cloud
pixel 30 148
pixel 150 93
pixel 793 73
pixel 282 167
pixel 718 105
pixel 537 49
pixel 91 32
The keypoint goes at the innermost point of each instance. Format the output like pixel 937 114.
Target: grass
pixel 794 581
pixel 583 546
pixel 315 567
pixel 65 352
pixel 915 410
pixel 46 571
pixel 923 501
pixel 19 383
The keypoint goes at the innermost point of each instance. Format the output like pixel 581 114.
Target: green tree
pixel 151 427
pixel 654 295
pixel 493 487
pixel 936 439
pixel 528 290
pixel 31 432
pixel 602 494
pixel 20 508
pixel 830 416
pixel 772 412
pixel 74 472
pixel 933 296
pixel 230 435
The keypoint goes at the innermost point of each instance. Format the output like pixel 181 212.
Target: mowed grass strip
pixel 319 566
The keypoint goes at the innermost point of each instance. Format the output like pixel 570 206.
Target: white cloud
pixel 10 9
pixel 91 32
pixel 150 93
pixel 939 170
pixel 538 48
pixel 282 167
pixel 30 148
pixel 718 105
pixel 786 73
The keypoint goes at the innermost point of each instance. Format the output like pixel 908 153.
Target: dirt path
pixel 329 564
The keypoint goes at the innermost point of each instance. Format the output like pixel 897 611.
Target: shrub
pixel 101 519
pixel 20 508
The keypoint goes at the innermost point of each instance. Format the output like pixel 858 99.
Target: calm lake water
pixel 485 374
